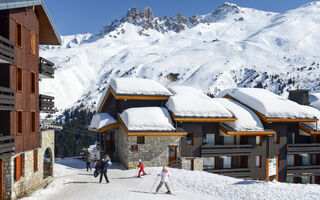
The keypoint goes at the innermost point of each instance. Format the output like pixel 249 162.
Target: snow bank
pixel 247 120
pixel 138 86
pixel 314 99
pixel 191 102
pixel 101 120
pixel 147 119
pixel 268 103
pixel 313 111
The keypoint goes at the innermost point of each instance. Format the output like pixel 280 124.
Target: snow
pixel 73 182
pixel 101 120
pixel 147 119
pixel 247 120
pixel 191 102
pixel 314 125
pixel 229 47
pixel 138 86
pixel 314 99
pixel 268 103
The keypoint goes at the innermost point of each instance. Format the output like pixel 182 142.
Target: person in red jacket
pixel 141 168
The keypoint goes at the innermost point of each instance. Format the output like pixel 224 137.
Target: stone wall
pixel 197 163
pixel 154 151
pixel 31 179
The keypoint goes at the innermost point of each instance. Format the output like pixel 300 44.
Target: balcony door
pixel 172 153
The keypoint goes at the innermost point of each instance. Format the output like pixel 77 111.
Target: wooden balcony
pixel 6 146
pixel 303 148
pixel 46 103
pixel 308 170
pixel 6 51
pixel 232 172
pixel 225 150
pixel 6 98
pixel 45 68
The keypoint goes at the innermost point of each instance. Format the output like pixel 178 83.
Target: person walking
pixel 105 164
pixel 88 161
pixel 164 180
pixel 141 168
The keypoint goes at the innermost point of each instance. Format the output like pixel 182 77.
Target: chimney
pixel 300 96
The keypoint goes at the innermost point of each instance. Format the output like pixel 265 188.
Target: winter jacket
pixel 105 165
pixel 141 165
pixel 164 175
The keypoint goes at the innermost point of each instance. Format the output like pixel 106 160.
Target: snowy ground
pixel 72 181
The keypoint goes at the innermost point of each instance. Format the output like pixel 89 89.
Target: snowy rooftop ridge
pixel 314 99
pixel 101 120
pixel 191 102
pixel 147 119
pixel 268 103
pixel 247 120
pixel 313 125
pixel 138 86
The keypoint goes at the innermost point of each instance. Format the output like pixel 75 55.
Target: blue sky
pixel 81 16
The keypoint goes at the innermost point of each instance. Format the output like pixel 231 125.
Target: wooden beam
pixel 309 131
pixel 246 133
pixel 201 119
pixel 266 119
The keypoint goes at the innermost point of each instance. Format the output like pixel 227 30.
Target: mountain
pixel 229 47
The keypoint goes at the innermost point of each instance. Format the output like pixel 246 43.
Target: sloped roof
pixel 48 32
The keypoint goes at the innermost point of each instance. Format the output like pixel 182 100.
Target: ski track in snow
pixel 72 181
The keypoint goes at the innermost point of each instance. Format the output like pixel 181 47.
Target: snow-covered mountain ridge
pixel 231 46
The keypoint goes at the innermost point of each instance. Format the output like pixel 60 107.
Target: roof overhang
pixel 201 119
pixel 111 93
pixel 229 131
pixel 308 130
pixel 273 120
pixel 106 128
pixel 149 132
pixel 48 34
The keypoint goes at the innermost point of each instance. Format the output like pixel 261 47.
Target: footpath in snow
pixel 72 181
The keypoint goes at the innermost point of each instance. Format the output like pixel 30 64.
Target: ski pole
pixel 154 183
pixel 171 184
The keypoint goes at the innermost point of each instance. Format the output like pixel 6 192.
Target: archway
pixel 47 163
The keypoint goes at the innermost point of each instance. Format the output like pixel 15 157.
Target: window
pixel 209 163
pixel 35 160
pixel 19 79
pixel 33 83
pixel 290 160
pixel 276 138
pixel 211 138
pixel 259 140
pixel 18 167
pixel 305 159
pixel 228 140
pixel 189 138
pixel 258 161
pixel 33 122
pixel 140 140
pixel 227 162
pixel 19 122
pixel 32 43
pixel 19 35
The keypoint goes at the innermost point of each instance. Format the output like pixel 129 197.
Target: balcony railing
pixel 303 148
pixel 225 150
pixel 233 172
pixel 6 146
pixel 46 68
pixel 46 103
pixel 308 170
pixel 6 98
pixel 6 51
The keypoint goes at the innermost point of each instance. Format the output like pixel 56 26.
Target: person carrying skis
pixel 141 168
pixel 88 161
pixel 105 164
pixel 164 180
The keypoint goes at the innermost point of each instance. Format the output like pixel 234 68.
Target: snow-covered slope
pixel 71 181
pixel 232 46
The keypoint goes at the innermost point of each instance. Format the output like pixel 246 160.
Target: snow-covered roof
pixel 138 86
pixel 313 125
pixel 268 103
pixel 101 120
pixel 191 102
pixel 147 119
pixel 314 99
pixel 247 120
